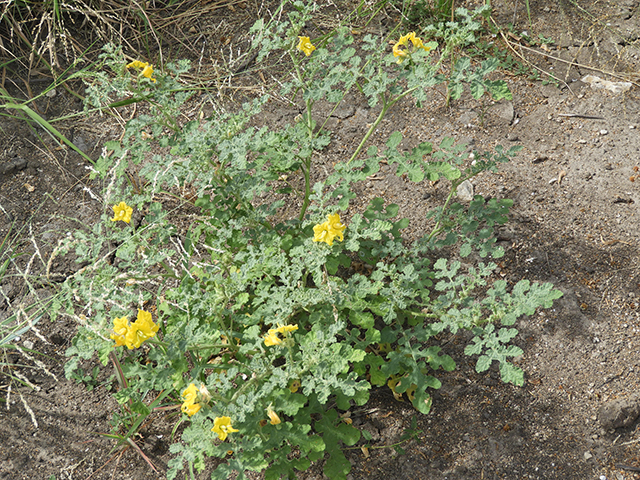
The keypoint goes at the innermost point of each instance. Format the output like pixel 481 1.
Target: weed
pixel 253 319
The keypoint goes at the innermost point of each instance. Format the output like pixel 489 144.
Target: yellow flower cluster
pixel 306 46
pixel 147 70
pixel 327 231
pixel 402 53
pixel 272 337
pixel 123 212
pixel 222 426
pixel 132 335
pixel 191 404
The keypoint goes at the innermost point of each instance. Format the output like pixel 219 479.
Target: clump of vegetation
pixel 261 325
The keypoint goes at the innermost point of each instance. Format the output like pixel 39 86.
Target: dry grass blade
pixel 47 35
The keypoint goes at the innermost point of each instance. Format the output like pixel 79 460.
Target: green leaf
pixel 361 319
pixel 511 374
pixel 394 139
pixel 483 363
pixel 477 89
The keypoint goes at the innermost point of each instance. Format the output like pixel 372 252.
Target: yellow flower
pixel 273 416
pixel 144 328
pixel 306 46
pixel 131 339
pixel 123 212
pixel 287 328
pixel 402 53
pixel 147 70
pixel 190 406
pixel 329 230
pixel 120 328
pixel 272 337
pixel 145 324
pixel 336 228
pixel 222 426
pixel 321 233
pixel 132 335
pixel 190 393
pixel 137 64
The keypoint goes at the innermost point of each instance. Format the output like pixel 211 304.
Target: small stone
pixel 19 163
pixel 28 344
pixel 604 132
pixel 81 143
pixel 465 191
pixel 503 112
pixel 344 111
pixel 587 455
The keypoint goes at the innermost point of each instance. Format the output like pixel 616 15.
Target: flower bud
pixel 205 396
pixel 273 416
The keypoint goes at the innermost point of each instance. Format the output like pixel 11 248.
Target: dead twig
pixel 580 65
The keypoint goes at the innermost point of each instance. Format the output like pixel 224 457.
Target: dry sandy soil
pixel 574 223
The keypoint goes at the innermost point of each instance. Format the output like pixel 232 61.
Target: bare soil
pixel 574 223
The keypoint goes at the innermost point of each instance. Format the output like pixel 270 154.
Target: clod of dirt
pixel 619 413
pixel 14 165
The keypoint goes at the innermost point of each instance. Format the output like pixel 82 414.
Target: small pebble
pixel 465 191
pixel 604 132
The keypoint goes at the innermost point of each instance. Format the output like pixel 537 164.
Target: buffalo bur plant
pixel 252 320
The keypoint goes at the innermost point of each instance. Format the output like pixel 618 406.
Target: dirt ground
pixel 574 223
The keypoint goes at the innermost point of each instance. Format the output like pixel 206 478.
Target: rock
pixel 344 111
pixel 512 137
pixel 504 112
pixel 81 143
pixel 619 413
pixel 598 83
pixel 467 118
pixel 13 165
pixel 465 191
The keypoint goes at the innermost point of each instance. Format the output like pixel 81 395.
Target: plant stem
pixel 437 229
pixel 306 167
pixel 386 106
